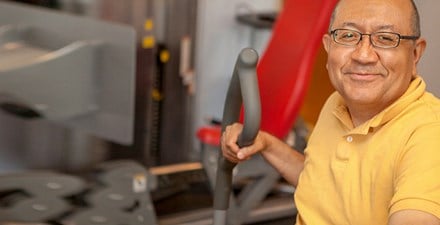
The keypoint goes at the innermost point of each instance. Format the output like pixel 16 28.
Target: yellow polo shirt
pixel 361 175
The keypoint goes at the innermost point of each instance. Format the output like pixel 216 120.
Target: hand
pixel 282 157
pixel 232 152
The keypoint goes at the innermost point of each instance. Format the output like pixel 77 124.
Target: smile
pixel 360 76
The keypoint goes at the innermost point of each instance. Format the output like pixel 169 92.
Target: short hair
pixel 415 19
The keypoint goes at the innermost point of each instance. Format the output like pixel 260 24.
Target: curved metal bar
pixel 243 88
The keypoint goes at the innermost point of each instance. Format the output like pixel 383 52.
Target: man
pixel 374 155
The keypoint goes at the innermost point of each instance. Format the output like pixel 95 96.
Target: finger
pixel 232 158
pixel 229 142
pixel 246 152
pixel 228 153
pixel 229 139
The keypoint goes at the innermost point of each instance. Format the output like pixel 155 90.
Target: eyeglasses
pixel 377 39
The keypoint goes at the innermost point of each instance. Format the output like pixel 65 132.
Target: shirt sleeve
pixel 417 173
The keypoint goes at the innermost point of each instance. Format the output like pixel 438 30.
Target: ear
pixel 326 40
pixel 418 51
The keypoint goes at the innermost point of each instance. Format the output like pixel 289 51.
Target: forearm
pixel 288 162
pixel 413 217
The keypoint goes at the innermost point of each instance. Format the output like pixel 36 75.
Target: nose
pixel 365 51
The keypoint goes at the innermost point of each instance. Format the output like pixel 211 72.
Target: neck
pixel 361 114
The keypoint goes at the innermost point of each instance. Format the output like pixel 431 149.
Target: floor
pixel 195 198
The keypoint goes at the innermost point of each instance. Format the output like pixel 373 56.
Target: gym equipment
pixel 243 86
pixel 75 71
pixel 120 195
pixel 285 69
pixel 40 196
pixel 116 193
pixel 283 73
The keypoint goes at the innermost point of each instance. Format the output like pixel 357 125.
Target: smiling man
pixel 374 154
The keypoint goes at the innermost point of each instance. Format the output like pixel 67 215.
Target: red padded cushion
pixel 209 135
pixel 285 68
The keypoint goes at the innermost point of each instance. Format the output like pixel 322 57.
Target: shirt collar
pixel 415 90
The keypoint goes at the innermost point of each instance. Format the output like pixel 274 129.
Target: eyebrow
pixel 381 27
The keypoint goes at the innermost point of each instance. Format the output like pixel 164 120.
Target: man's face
pixel 368 76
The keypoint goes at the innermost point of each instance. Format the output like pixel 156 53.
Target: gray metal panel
pixel 177 107
pixel 107 90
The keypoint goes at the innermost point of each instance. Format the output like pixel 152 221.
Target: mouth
pixel 363 76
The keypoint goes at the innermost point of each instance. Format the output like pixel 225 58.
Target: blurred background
pixel 171 81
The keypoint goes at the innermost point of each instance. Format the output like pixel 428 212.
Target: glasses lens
pixel 385 39
pixel 346 37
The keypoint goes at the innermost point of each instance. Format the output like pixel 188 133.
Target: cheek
pixel 335 61
pixel 332 67
pixel 339 54
pixel 399 64
pixel 333 71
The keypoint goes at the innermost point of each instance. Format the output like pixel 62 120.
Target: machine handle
pixel 243 87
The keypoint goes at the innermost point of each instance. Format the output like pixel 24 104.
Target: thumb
pixel 257 146
pixel 246 152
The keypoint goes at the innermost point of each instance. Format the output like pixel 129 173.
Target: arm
pixel 283 158
pixel 413 217
pixel 417 187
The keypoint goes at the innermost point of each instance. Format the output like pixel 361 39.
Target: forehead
pixel 374 14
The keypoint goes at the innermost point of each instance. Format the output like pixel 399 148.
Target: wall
pixel 429 66
pixel 220 39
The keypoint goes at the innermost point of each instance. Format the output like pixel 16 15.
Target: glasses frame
pixel 361 35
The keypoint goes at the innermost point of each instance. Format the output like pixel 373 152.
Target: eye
pixel 386 38
pixel 347 35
